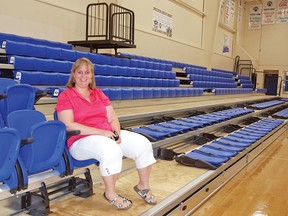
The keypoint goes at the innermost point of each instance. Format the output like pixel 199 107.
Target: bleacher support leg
pixel 85 186
pixel 37 204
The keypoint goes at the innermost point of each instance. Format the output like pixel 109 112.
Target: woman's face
pixel 82 76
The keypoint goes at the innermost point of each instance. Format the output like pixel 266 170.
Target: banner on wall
pixel 226 43
pixel 282 12
pixel 228 7
pixel 227 12
pixel 162 22
pixel 240 11
pixel 255 17
pixel 269 12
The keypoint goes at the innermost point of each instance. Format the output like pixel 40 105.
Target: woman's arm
pixel 113 119
pixel 67 117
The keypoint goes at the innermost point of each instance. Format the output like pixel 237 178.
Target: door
pixel 270 83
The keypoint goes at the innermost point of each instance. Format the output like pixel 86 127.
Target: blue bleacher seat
pixel 127 94
pixel 4 83
pixel 10 145
pixel 18 96
pixel 281 114
pixel 31 40
pixel 46 150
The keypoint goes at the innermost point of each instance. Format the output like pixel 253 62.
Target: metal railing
pixel 111 23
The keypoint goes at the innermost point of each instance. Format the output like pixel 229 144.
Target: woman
pixel 84 107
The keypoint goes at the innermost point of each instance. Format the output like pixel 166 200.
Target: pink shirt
pixel 91 114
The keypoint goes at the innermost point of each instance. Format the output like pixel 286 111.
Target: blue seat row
pixel 261 90
pixel 37 64
pixel 61 79
pixel 224 71
pixel 281 114
pixel 149 59
pixel 41 78
pixel 30 40
pixel 141 93
pixel 196 77
pixel 133 72
pixel 247 86
pixel 221 91
pixel 205 72
pixel 243 77
pixel 48 52
pixel 207 84
pixel 171 128
pixel 41 51
pixel 245 81
pixel 266 104
pixel 218 152
pixel 135 81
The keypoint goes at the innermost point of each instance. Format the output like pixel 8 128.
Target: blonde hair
pixel 78 63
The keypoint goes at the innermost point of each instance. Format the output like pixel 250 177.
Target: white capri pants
pixel 110 154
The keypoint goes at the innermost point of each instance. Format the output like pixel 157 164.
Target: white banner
pixel 162 22
pixel 226 43
pixel 227 12
pixel 269 12
pixel 255 17
pixel 282 12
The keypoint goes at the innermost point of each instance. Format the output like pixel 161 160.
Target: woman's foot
pixel 119 202
pixel 146 195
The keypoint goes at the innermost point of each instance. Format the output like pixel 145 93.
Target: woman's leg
pixel 144 176
pixel 139 148
pixel 108 153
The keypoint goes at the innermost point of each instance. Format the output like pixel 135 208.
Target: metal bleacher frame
pixel 108 27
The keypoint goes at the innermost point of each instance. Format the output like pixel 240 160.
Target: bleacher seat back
pixel 21 96
pixel 48 147
pixel 26 119
pixel 4 83
pixel 46 150
pixel 10 145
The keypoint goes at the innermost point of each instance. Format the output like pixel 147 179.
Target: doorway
pixel 271 83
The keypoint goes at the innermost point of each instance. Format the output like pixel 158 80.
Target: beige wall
pixel 268 46
pixel 199 30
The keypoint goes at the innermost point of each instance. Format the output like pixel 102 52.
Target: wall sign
pixel 162 22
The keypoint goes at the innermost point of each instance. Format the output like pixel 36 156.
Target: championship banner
pixel 255 17
pixel 269 12
pixel 282 12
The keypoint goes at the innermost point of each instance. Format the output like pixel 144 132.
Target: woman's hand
pixel 111 135
pixel 108 134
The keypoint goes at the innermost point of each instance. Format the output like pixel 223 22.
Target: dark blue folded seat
pixel 226 146
pixel 159 128
pixel 152 134
pixel 217 151
pixel 192 125
pixel 183 128
pixel 233 142
pixel 241 139
pixel 215 160
pixel 242 133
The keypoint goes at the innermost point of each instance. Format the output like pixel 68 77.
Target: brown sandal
pixel 143 194
pixel 119 206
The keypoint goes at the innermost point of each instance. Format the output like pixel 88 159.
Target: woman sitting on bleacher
pixel 84 107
